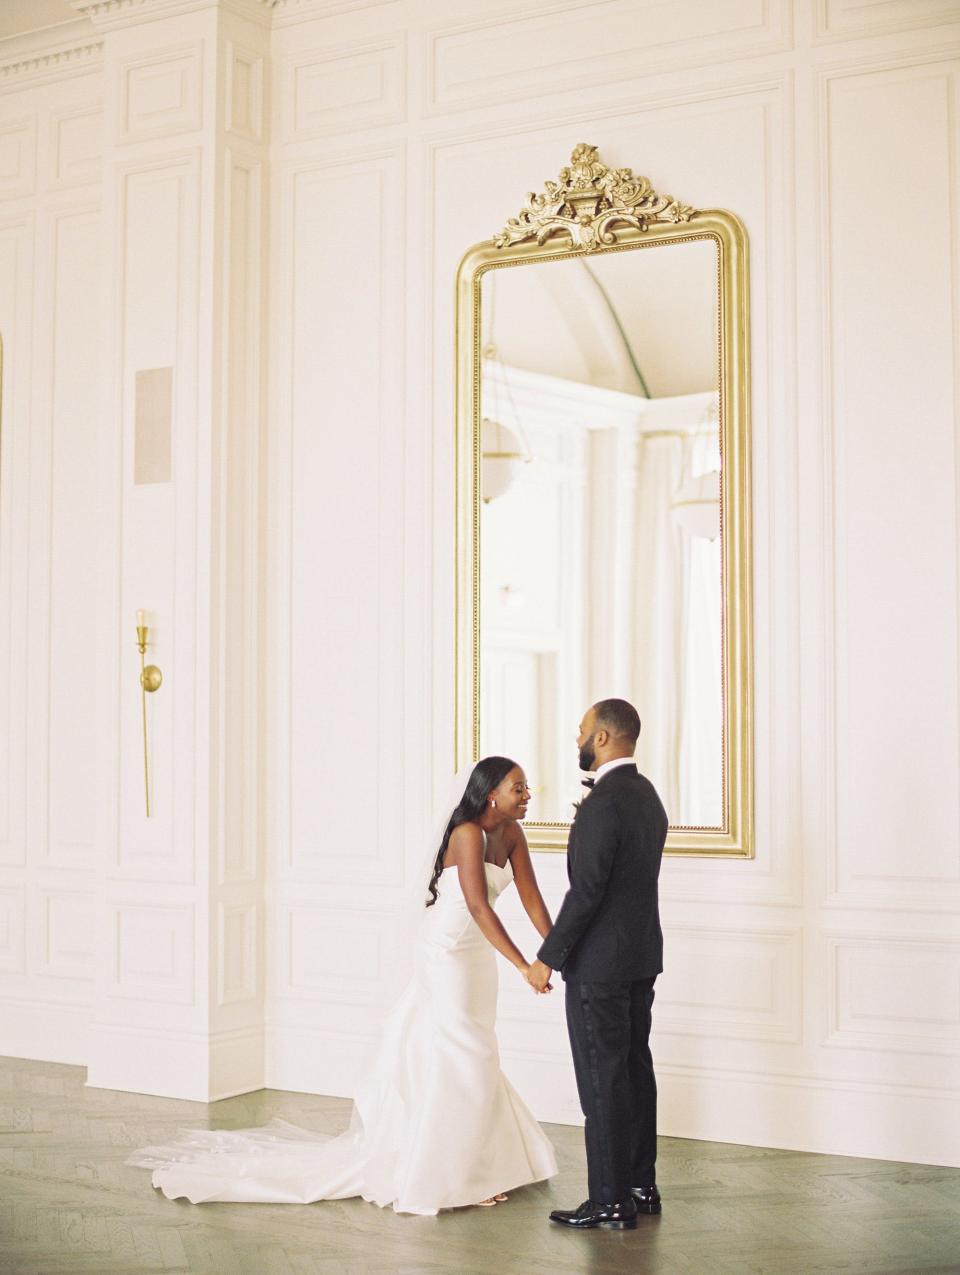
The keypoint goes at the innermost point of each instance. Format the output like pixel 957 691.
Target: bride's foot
pixel 500 1198
pixel 487 1204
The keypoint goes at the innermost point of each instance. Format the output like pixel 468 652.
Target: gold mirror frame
pixel 594 210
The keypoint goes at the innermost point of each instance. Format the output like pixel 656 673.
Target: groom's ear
pixel 601 736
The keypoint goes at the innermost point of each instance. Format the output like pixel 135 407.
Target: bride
pixel 435 1123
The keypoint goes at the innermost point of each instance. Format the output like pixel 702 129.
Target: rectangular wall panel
pixel 499 59
pixel 894 994
pixel 15 334
pixel 159 218
pixel 240 474
pixel 237 964
pixel 76 146
pixel 893 354
pixel 244 116
pixel 312 961
pixel 724 983
pixel 12 929
pixel 161 93
pixel 153 947
pixel 326 90
pixel 74 712
pixel 18 157
pixel 847 19
pixel 67 934
pixel 345 496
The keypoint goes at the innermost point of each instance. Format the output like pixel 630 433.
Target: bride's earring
pixel 494 804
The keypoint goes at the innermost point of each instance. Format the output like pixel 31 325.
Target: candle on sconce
pixel 150 680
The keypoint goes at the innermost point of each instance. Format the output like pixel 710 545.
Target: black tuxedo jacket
pixel 608 927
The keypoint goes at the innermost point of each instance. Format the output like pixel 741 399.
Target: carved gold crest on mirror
pixel 603 497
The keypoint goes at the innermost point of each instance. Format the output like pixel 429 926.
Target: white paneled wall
pixel 768 1015
pixel 133 219
pixel 299 566
pixel 51 622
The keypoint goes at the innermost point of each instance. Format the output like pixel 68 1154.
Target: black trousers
pixel 609 1025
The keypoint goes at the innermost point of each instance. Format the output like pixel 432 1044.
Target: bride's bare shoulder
pixel 467 836
pixel 466 843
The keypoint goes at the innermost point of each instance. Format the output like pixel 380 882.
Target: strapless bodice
pixel 448 924
pixel 449 893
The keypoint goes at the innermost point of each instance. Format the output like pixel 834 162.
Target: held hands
pixel 538 976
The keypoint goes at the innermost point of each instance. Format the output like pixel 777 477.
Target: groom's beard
pixel 588 758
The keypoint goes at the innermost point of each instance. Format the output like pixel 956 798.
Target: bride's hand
pixel 538 976
pixel 525 975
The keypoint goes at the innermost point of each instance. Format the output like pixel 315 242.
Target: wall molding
pixel 17 301
pixel 169 981
pixel 20 132
pixel 13 921
pixel 838 20
pixel 164 849
pixel 199 1066
pixel 237 465
pixel 59 62
pixel 59 959
pixel 289 13
pixel 926 1032
pixel 244 103
pixel 385 61
pixel 798 1111
pixel 107 15
pixel 853 890
pixel 85 168
pixel 56 1031
pixel 51 540
pixel 306 853
pixel 695 1014
pixel 568 69
pixel 362 930
pixel 237 949
pixel 185 115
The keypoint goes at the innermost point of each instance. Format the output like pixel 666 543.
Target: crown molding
pixel 291 12
pixel 107 15
pixel 75 48
pixel 72 48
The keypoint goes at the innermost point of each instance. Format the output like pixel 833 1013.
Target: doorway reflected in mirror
pixel 600 517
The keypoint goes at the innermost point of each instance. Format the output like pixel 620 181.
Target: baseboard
pixel 812 1113
pixel 44 1031
pixel 312 1060
pixel 199 1067
pixel 792 1112
pixel 795 1113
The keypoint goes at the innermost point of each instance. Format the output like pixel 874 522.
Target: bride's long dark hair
pixel 485 776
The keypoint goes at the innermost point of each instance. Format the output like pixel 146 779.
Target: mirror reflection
pixel 600 520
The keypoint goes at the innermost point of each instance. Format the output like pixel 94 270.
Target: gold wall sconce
pixel 150 680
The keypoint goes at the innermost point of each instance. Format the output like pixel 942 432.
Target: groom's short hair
pixel 619 718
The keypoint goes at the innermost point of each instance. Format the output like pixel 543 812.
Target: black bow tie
pixel 588 783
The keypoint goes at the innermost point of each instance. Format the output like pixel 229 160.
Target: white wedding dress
pixel 435 1124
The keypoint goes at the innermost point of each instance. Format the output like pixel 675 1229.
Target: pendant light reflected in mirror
pixel 502 450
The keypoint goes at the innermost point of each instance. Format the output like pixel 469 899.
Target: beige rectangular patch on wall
pixel 153 422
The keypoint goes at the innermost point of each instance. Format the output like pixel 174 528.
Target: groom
pixel 608 945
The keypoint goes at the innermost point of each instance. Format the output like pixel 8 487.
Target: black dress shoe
pixel 621 1216
pixel 646 1198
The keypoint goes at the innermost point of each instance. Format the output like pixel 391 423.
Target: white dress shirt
pixel 611 765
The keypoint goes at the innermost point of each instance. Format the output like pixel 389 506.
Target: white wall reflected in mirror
pixel 600 554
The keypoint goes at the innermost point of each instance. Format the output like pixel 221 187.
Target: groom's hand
pixel 538 976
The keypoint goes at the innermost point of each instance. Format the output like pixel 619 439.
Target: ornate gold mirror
pixel 604 499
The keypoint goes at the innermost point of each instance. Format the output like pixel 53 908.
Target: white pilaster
pixel 178 1007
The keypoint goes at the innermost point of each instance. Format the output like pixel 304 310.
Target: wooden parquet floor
pixel 69 1204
